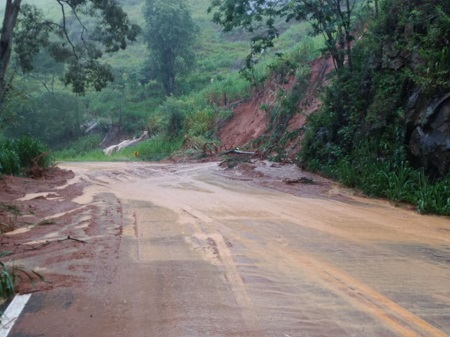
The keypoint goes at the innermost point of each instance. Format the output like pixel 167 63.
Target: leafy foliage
pixel 171 34
pixel 187 117
pixel 158 148
pixel 16 156
pixel 53 118
pixel 86 30
pixel 6 279
pixel 359 135
pixel 79 148
pixel 330 18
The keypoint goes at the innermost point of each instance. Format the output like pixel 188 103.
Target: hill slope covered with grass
pixel 377 120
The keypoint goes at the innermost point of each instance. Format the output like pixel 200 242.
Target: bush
pixel 388 178
pixel 17 156
pixel 53 118
pixel 9 160
pixel 80 148
pixel 358 136
pixel 201 122
pixel 156 148
pixel 173 112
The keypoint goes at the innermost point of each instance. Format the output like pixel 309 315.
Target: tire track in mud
pixel 211 236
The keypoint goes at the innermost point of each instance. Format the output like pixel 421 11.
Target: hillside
pixel 251 124
pixel 372 112
pixel 383 125
pixel 45 109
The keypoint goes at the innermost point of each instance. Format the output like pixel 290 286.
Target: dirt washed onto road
pixel 201 250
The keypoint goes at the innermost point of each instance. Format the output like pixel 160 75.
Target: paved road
pixel 204 255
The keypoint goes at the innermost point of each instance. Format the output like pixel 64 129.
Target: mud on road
pixel 134 249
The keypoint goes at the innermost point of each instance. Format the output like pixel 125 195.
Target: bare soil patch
pixel 49 234
pixel 250 121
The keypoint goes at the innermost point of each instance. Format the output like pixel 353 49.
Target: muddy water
pixel 205 255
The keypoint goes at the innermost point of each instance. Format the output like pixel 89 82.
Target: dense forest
pixel 78 76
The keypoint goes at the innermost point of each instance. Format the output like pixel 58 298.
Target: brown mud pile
pixel 48 234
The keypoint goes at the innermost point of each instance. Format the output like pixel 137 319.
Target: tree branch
pixel 65 30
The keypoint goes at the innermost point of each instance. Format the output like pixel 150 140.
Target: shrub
pixel 79 148
pixel 29 149
pixel 156 148
pixel 9 160
pixel 6 280
pixel 17 156
pixel 358 136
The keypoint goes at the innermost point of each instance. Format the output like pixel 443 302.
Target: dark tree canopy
pixel 330 18
pixel 170 34
pixel 87 29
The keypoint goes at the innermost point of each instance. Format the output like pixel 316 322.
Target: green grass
pixel 383 178
pixel 18 155
pixel 11 274
pixel 203 93
pixel 154 149
pixel 6 279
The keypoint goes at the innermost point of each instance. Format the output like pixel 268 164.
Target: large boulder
pixel 428 133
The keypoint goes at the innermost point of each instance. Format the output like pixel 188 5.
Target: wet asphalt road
pixel 204 255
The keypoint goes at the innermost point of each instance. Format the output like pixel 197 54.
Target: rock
pixel 428 133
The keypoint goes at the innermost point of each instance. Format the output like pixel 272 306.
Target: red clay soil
pixel 55 228
pixel 250 121
pixel 47 230
pixel 15 214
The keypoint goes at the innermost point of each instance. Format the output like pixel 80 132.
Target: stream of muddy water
pixel 196 250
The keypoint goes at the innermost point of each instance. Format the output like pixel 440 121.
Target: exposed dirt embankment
pixel 16 210
pixel 250 121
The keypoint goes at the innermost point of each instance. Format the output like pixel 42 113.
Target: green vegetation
pixel 77 37
pixel 38 104
pixel 359 137
pixel 155 149
pixel 329 18
pixel 9 275
pixel 382 51
pixel 6 279
pixel 17 157
pixel 171 35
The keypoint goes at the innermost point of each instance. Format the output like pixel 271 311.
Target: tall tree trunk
pixel 6 40
pixel 348 36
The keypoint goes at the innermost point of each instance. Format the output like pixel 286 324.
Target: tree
pixel 330 18
pixel 86 30
pixel 170 34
